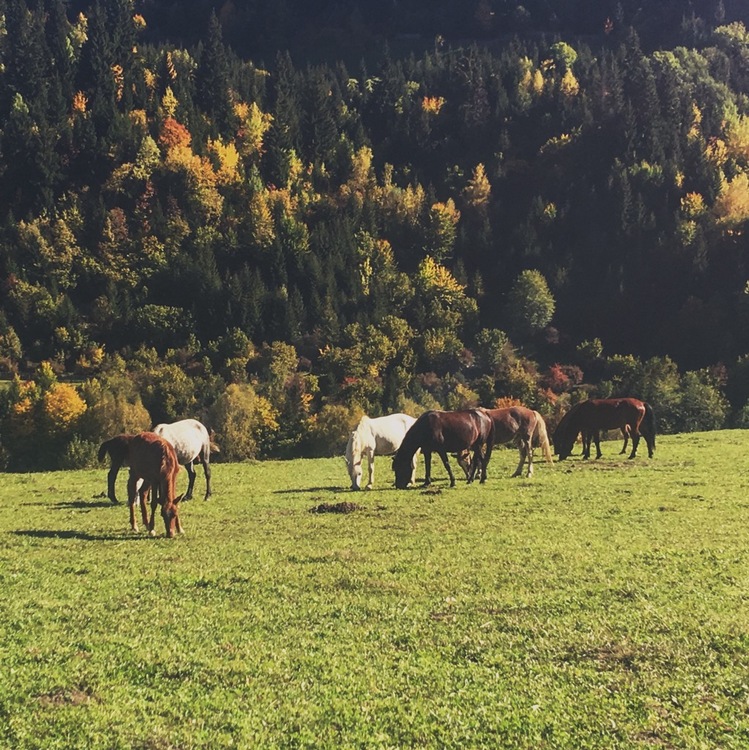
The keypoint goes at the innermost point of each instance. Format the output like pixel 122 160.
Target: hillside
pixel 544 202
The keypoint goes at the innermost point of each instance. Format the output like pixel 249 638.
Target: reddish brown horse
pixel 444 432
pixel 525 427
pixel 633 417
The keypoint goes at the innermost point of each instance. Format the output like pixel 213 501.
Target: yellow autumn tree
pixel 731 208
pixel 227 158
pixel 253 125
pixel 478 190
pixel 62 407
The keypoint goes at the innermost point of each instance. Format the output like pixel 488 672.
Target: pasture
pixel 600 604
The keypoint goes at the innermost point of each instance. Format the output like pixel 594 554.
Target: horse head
pixel 403 468
pixel 170 514
pixel 354 460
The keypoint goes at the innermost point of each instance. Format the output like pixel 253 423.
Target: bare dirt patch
pixel 342 507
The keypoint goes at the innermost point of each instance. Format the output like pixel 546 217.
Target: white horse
pixel 380 436
pixel 191 443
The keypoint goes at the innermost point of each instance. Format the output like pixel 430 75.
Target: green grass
pixel 598 605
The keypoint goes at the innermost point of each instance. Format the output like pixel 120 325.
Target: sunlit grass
pixel 599 604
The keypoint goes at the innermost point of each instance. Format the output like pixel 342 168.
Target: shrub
pixel 244 423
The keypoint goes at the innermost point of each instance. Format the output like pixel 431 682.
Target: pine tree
pixel 212 79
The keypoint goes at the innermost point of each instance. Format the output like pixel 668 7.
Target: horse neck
pixel 353 448
pixel 411 443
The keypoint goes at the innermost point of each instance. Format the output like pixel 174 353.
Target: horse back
pixel 615 413
pixel 453 431
pixel 511 422
pixel 117 447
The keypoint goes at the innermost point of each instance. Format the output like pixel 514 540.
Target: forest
pixel 275 221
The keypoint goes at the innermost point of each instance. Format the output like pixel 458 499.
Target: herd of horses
pixel 471 434
pixel 154 457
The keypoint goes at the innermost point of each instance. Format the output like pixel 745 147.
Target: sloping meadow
pixel 598 604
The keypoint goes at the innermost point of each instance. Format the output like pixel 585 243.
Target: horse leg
pixel 597 438
pixel 635 442
pixel 111 478
pixel 207 471
pixel 414 461
pixel 132 498
pixel 521 451
pixel 587 437
pixel 370 458
pixel 485 461
pixel 626 441
pixel 427 468
pixel 476 462
pixel 143 493
pixel 529 452
pixel 191 474
pixel 446 464
pixel 155 495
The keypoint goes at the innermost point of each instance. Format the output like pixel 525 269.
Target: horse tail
pixel 104 449
pixel 649 422
pixel 541 438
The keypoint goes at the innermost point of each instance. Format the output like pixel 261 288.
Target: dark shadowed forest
pixel 275 215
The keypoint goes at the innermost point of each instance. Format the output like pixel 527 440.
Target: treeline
pixel 275 249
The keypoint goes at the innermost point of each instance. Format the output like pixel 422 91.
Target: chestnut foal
pixel 153 459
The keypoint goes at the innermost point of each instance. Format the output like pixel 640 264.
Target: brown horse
pixel 153 459
pixel 444 432
pixel 525 427
pixel 630 415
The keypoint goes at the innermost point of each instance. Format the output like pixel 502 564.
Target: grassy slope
pixel 600 604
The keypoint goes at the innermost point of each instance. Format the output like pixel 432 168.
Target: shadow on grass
pixel 82 535
pixel 334 490
pixel 87 504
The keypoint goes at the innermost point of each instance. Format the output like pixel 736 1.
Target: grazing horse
pixel 192 443
pixel 445 432
pixel 629 415
pixel 154 460
pixel 375 437
pixel 525 427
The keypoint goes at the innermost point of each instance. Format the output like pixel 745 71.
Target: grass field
pixel 598 605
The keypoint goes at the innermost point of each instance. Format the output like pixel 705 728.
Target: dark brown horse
pixel 522 426
pixel 153 459
pixel 630 415
pixel 444 432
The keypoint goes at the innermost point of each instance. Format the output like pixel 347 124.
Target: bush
pixel 330 429
pixel 244 423
pixel 79 454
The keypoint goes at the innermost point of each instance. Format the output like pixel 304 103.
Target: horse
pixel 192 443
pixel 153 459
pixel 445 432
pixel 372 437
pixel 525 427
pixel 630 415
